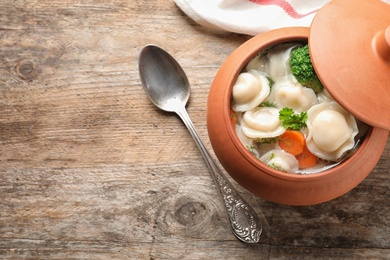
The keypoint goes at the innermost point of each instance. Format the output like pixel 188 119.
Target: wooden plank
pixel 90 169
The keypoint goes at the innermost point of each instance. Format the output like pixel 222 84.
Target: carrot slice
pixel 233 117
pixel 306 159
pixel 292 142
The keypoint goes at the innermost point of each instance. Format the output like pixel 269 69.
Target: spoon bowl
pixel 167 86
pixel 165 82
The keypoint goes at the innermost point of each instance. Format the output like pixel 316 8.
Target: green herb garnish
pixel 267 104
pixel 291 120
pixel 269 140
pixel 251 149
pixel 270 82
pixel 276 167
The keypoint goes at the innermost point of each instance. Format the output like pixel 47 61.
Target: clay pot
pixel 243 167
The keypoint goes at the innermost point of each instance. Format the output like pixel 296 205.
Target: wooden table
pixel 90 169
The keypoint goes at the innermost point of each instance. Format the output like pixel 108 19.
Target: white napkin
pixel 251 16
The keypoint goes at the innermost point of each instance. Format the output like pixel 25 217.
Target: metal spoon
pixel 167 86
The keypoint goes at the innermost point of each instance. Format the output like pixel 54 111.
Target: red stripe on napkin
pixel 289 9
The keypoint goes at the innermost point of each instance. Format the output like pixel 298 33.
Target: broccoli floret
pixel 302 69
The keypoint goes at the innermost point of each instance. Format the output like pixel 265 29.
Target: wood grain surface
pixel 90 169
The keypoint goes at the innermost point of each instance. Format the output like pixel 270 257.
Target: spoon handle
pixel 244 222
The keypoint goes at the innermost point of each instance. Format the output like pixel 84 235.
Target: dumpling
pixel 262 122
pixel 331 131
pixel 289 93
pixel 250 90
pixel 280 160
pixel 278 61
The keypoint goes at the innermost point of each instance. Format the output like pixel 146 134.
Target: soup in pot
pixel 285 117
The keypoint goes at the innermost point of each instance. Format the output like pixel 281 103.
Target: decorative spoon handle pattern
pixel 244 222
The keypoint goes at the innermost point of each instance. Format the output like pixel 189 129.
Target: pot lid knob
pixel 382 45
pixel 349 45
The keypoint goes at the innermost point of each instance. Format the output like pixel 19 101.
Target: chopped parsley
pixel 270 82
pixel 292 120
pixel 276 167
pixel 267 104
pixel 251 149
pixel 269 140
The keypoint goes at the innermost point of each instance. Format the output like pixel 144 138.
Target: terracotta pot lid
pixel 349 45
